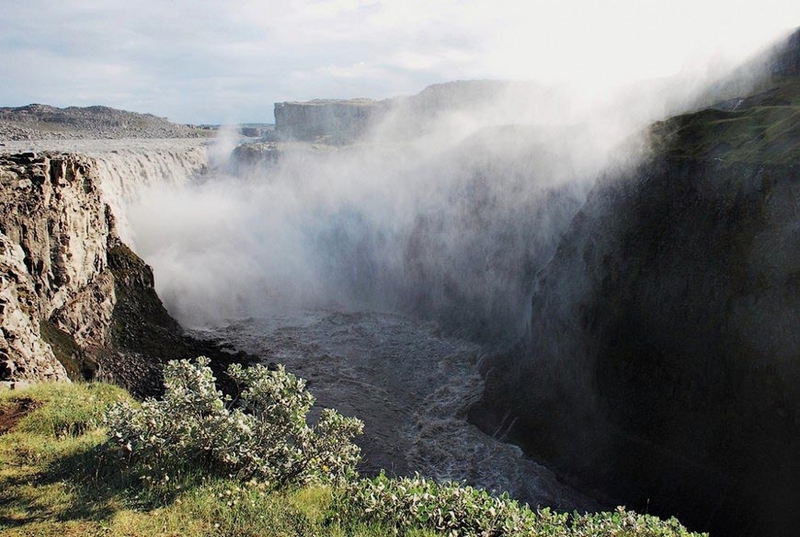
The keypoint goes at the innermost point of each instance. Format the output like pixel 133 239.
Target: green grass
pixel 764 129
pixel 60 477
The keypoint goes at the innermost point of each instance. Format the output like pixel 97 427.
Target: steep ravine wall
pixel 662 367
pixel 663 362
pixel 77 302
pixel 52 214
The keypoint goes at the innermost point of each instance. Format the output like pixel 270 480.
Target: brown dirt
pixel 11 414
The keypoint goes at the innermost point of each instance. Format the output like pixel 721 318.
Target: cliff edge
pixel 663 362
pixel 77 303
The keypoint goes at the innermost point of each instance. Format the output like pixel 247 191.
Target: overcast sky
pixel 212 61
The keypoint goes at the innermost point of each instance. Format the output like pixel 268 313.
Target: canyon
pixel 541 314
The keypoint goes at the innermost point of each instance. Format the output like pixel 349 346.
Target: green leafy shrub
pixel 263 434
pixel 411 504
pixel 450 508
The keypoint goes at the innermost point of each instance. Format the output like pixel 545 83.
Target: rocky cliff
pixel 77 303
pixel 333 120
pixel 344 121
pixel 663 362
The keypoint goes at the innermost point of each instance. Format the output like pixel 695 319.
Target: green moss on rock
pixel 79 364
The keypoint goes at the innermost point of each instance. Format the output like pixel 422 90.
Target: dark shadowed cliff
pixel 662 367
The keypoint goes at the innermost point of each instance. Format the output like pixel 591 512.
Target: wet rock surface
pixel 663 360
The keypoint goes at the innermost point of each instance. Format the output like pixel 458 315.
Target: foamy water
pixel 412 387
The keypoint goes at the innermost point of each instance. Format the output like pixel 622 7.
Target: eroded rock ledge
pixel 75 301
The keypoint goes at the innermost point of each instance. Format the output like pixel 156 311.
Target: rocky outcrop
pixel 345 121
pixel 335 120
pixel 24 356
pixel 43 122
pixel 77 302
pixel 52 208
pixel 54 222
pixel 663 362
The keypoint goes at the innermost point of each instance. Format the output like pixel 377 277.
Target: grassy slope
pixel 57 478
pixel 762 129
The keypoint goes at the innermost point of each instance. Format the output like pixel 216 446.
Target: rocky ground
pixel 43 122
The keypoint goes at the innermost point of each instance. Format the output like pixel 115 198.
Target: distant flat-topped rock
pixel 347 120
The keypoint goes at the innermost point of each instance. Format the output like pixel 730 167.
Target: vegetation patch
pixel 764 128
pixel 64 472
pixel 79 364
pixel 263 434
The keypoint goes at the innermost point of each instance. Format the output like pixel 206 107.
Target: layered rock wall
pixel 75 301
pixel 55 227
pixel 663 362
pixel 24 356
pixel 343 120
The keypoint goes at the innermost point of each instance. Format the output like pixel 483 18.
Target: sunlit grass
pixel 59 478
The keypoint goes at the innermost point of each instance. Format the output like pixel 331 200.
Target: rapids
pixel 410 384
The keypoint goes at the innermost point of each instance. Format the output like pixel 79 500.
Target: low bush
pixel 450 508
pixel 411 504
pixel 263 434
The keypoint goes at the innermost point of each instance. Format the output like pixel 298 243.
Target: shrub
pixel 409 504
pixel 450 508
pixel 263 434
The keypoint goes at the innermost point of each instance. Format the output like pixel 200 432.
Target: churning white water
pixel 412 387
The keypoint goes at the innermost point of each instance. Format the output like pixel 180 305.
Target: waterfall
pixel 127 168
pixel 126 173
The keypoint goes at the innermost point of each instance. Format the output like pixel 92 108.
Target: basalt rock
pixel 334 120
pixel 347 120
pixel 77 302
pixel 663 362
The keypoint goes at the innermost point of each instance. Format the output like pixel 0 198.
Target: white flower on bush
pixel 263 434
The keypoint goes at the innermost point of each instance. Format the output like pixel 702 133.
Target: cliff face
pixel 343 121
pixel 52 214
pixel 336 120
pixel 77 302
pixel 663 362
pixel 23 354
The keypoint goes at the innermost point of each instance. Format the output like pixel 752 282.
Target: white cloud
pixel 201 54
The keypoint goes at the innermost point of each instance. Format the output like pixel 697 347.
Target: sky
pixel 216 61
